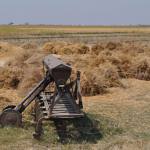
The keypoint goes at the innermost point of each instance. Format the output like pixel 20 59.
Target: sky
pixel 75 12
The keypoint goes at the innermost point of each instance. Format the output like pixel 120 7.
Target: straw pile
pixel 103 65
pixel 10 77
pixel 29 46
pixel 65 48
pixel 141 69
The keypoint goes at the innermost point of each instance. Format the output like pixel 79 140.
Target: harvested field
pixel 115 79
pixel 103 65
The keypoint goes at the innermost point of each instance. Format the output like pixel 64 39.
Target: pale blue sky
pixel 75 12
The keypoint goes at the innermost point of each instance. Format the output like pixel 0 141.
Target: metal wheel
pixel 10 117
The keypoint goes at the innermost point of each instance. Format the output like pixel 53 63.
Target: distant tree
pixel 11 23
pixel 27 23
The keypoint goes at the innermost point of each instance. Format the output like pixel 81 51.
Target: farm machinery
pixel 56 97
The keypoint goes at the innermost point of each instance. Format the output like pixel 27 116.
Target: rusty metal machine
pixel 55 97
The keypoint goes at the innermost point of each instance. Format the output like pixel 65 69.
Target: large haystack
pixel 10 77
pixel 29 46
pixel 65 48
pixel 96 49
pixel 141 68
pixel 102 66
pixel 91 84
pixel 111 46
pixel 4 47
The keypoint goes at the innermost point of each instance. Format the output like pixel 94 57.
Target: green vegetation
pixel 85 131
pixel 37 30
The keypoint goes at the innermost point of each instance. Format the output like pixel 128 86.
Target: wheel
pixel 10 117
pixel 9 107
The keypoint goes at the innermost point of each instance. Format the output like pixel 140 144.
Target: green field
pixel 9 30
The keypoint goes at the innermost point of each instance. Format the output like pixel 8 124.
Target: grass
pixel 16 30
pixel 112 120
pixel 88 130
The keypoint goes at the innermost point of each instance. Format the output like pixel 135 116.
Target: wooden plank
pixel 66 110
pixel 67 115
pixel 45 112
pixel 63 108
pixel 59 112
pixel 69 105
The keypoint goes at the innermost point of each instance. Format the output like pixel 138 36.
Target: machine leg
pixel 38 129
pixel 61 129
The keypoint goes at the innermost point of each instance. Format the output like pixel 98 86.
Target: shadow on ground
pixel 89 129
pixel 78 130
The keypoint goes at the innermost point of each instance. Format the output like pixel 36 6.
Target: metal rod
pixel 33 94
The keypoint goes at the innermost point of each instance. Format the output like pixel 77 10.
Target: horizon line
pixel 80 25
